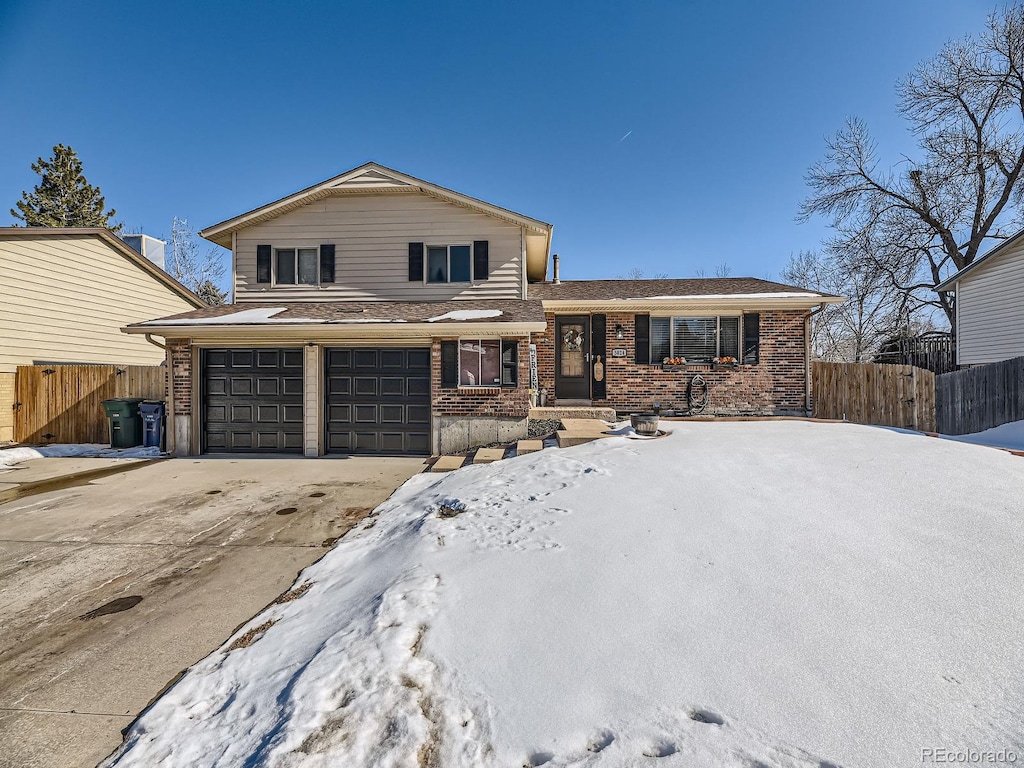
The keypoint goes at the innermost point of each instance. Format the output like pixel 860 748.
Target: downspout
pixel 151 340
pixel 807 358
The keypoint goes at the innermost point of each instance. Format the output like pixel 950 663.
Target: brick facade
pixel 498 402
pixel 179 355
pixel 775 385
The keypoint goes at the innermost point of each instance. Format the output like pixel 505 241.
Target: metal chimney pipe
pixel 554 270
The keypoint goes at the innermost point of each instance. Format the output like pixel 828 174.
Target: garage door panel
pixel 378 400
pixel 240 386
pixel 417 414
pixel 392 414
pixel 365 386
pixel 252 400
pixel 419 359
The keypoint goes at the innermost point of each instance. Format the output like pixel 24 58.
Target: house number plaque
pixel 618 353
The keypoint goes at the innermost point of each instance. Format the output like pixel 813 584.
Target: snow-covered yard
pixel 735 594
pixel 12 456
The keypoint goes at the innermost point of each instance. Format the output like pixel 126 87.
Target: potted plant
pixel 726 361
pixel 673 364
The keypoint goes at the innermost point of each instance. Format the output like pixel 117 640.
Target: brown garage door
pixel 252 400
pixel 378 400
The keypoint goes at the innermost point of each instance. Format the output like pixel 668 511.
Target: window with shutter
pixel 751 338
pixel 449 363
pixel 642 337
pixel 327 263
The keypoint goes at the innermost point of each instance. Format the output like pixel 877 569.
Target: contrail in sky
pixel 625 137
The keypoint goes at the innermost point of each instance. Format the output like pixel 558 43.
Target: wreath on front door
pixel 573 340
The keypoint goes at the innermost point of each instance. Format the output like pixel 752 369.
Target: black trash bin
pixel 125 424
pixel 153 413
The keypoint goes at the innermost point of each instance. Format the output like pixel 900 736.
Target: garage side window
pixel 488 363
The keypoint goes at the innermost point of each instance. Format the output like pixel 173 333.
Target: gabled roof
pixel 367 178
pixel 950 282
pixel 115 242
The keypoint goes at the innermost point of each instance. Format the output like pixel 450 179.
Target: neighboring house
pixel 989 305
pixel 379 313
pixel 66 295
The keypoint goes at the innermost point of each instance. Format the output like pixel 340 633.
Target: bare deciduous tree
pixel 853 331
pixel 635 273
pixel 201 272
pixel 929 217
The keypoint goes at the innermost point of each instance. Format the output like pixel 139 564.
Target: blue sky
pixel 207 109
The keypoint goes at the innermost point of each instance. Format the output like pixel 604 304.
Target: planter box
pixel 673 367
pixel 724 366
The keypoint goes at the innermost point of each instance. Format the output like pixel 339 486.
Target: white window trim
pixel 448 263
pixel 296 284
pixel 718 334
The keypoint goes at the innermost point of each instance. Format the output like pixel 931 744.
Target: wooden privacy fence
pixel 980 398
pixel 62 403
pixel 872 393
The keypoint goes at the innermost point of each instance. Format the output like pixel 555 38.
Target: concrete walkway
pixel 39 475
pixel 204 543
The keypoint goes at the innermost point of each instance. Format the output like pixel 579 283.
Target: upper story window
pixel 295 266
pixel 455 263
pixel 698 339
pixel 448 263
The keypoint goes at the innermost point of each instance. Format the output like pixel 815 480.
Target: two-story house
pixel 379 313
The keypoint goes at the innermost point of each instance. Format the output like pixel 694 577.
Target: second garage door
pixel 378 400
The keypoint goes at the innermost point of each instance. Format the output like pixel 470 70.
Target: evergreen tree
pixel 210 293
pixel 63 197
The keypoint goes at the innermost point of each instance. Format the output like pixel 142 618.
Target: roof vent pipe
pixel 554 273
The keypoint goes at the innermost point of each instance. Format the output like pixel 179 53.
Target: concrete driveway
pixel 205 544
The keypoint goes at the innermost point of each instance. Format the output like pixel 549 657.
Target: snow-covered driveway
pixel 736 594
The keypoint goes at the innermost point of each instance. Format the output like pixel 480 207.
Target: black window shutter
pixel 264 254
pixel 642 334
pixel 509 363
pixel 449 363
pixel 416 262
pixel 751 338
pixel 326 263
pixel 598 344
pixel 481 268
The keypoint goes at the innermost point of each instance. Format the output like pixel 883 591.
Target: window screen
pixel 729 337
pixel 459 270
pixel 286 266
pixel 661 339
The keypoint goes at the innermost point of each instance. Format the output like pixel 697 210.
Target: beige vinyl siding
pixel 6 407
pixel 371 235
pixel 990 305
pixel 65 299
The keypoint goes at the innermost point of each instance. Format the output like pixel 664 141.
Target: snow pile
pixel 466 314
pixel 779 295
pixel 257 316
pixel 780 594
pixel 11 456
pixel 1004 436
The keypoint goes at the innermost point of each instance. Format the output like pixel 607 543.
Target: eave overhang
pixel 736 303
pixel 330 332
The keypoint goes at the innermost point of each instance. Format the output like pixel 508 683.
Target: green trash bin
pixel 125 422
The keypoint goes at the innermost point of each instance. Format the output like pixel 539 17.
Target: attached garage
pixel 378 400
pixel 252 400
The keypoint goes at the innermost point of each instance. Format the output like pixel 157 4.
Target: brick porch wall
pixel 776 385
pixel 179 354
pixel 498 402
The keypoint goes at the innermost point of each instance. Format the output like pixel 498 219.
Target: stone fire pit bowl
pixel 644 423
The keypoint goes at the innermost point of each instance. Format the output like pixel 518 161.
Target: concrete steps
pixel 580 425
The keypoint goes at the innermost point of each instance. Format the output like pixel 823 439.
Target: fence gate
pixel 872 393
pixel 61 403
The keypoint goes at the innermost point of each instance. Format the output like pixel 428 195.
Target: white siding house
pixel 990 305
